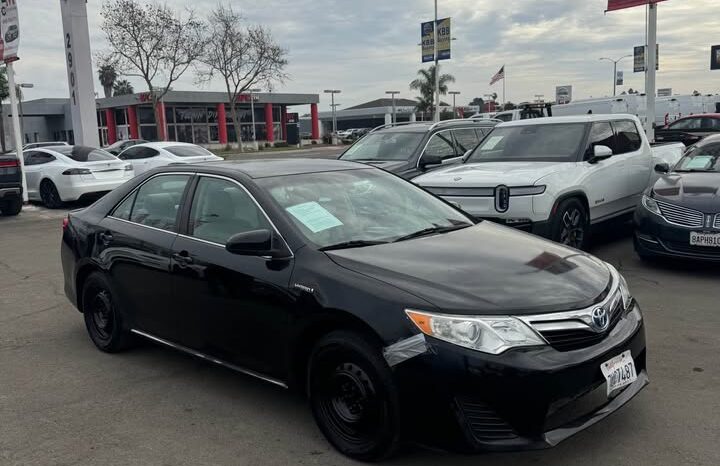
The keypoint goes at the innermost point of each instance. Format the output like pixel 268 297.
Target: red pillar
pixel 133 122
pixel 315 121
pixel 269 123
pixel 222 124
pixel 111 127
pixel 283 122
pixel 160 123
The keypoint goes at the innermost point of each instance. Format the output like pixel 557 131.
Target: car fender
pixel 560 185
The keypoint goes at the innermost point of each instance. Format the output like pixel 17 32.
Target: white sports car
pixel 144 157
pixel 67 173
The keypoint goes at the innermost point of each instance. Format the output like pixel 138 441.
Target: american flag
pixel 498 76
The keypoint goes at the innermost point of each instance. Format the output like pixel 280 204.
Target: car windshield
pixel 391 145
pixel 188 151
pixel 705 158
pixel 557 142
pixel 84 154
pixel 355 208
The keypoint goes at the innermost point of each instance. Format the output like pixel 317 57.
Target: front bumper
pixel 656 237
pixel 522 399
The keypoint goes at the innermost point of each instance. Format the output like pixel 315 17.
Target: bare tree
pixel 154 43
pixel 243 56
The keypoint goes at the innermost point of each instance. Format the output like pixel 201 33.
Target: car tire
pixel 49 195
pixel 11 207
pixel 353 396
pixel 570 224
pixel 103 319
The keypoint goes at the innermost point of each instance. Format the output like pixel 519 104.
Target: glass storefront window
pixel 201 134
pixel 148 132
pixel 146 115
pixel 212 115
pixel 214 135
pixel 120 116
pixel 169 115
pixel 184 133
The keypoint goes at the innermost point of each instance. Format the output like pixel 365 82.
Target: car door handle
pixel 182 258
pixel 106 237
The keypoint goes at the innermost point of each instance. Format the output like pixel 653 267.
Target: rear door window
pixel 688 123
pixel 157 202
pixel 627 137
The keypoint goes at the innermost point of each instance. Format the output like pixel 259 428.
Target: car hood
pixel 389 165
pixel 485 269
pixel 699 191
pixel 490 174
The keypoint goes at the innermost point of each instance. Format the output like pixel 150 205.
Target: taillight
pixel 65 223
pixel 8 163
pixel 77 171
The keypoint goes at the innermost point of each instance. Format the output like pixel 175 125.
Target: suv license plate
pixel 619 372
pixel 711 240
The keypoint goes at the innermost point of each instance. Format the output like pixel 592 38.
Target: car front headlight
pixel 623 289
pixel 492 335
pixel 651 205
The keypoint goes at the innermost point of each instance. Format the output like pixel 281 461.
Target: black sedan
pixel 680 214
pixel 398 315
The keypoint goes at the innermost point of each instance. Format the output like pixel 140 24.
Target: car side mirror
pixel 662 168
pixel 253 243
pixel 427 160
pixel 600 153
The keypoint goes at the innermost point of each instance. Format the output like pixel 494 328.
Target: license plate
pixel 711 240
pixel 619 372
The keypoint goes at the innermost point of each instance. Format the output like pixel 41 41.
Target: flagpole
pixel 504 77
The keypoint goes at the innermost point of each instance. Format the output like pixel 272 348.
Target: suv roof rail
pixel 398 123
pixel 464 120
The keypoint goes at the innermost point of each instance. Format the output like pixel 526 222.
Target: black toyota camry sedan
pixel 680 214
pixel 396 314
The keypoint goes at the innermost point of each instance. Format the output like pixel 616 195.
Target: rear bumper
pixel 10 193
pixel 72 191
pixel 523 399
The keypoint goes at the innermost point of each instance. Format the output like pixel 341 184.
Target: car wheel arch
pixel 320 325
pixel 80 277
pixel 570 195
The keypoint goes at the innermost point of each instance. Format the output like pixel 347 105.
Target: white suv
pixel 554 176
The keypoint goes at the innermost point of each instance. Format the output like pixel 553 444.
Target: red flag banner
pixel 622 4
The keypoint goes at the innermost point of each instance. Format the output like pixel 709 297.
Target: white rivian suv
pixel 555 176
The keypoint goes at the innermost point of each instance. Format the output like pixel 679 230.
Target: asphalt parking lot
pixel 62 402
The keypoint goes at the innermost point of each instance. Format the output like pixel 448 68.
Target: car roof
pixel 264 168
pixel 423 127
pixel 164 144
pixel 700 115
pixel 712 139
pixel 590 118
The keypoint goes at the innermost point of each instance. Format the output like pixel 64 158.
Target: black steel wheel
pixel 49 195
pixel 570 224
pixel 353 397
pixel 103 319
pixel 11 207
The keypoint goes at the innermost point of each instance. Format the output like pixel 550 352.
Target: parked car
pixel 10 185
pixel 690 129
pixel 555 176
pixel 680 214
pixel 37 145
pixel 149 155
pixel 67 173
pixel 119 146
pixel 397 314
pixel 525 111
pixel 409 150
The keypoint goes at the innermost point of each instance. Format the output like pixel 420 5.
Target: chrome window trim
pixel 267 217
pixel 210 358
pixel 422 152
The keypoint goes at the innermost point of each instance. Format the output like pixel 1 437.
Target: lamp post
pixel 454 93
pixel 393 94
pixel 615 62
pixel 332 93
pixel 18 92
pixel 252 114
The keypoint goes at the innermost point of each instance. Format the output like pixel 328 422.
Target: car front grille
pixel 674 246
pixel 716 224
pixel 574 339
pixel 483 422
pixel 681 215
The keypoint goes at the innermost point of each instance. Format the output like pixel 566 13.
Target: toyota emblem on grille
pixel 600 319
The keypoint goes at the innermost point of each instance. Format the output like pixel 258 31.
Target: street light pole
pixel 454 93
pixel 615 63
pixel 332 93
pixel 19 94
pixel 437 66
pixel 392 94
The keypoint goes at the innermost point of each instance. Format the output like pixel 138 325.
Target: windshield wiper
pixel 432 230
pixel 352 244
pixel 694 170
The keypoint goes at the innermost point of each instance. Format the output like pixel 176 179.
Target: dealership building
pixel 198 117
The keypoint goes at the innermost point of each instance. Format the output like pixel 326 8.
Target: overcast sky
pixel 366 47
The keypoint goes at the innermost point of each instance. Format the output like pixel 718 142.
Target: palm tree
pixel 123 87
pixel 426 85
pixel 107 74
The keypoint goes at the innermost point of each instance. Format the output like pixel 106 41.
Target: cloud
pixel 366 47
